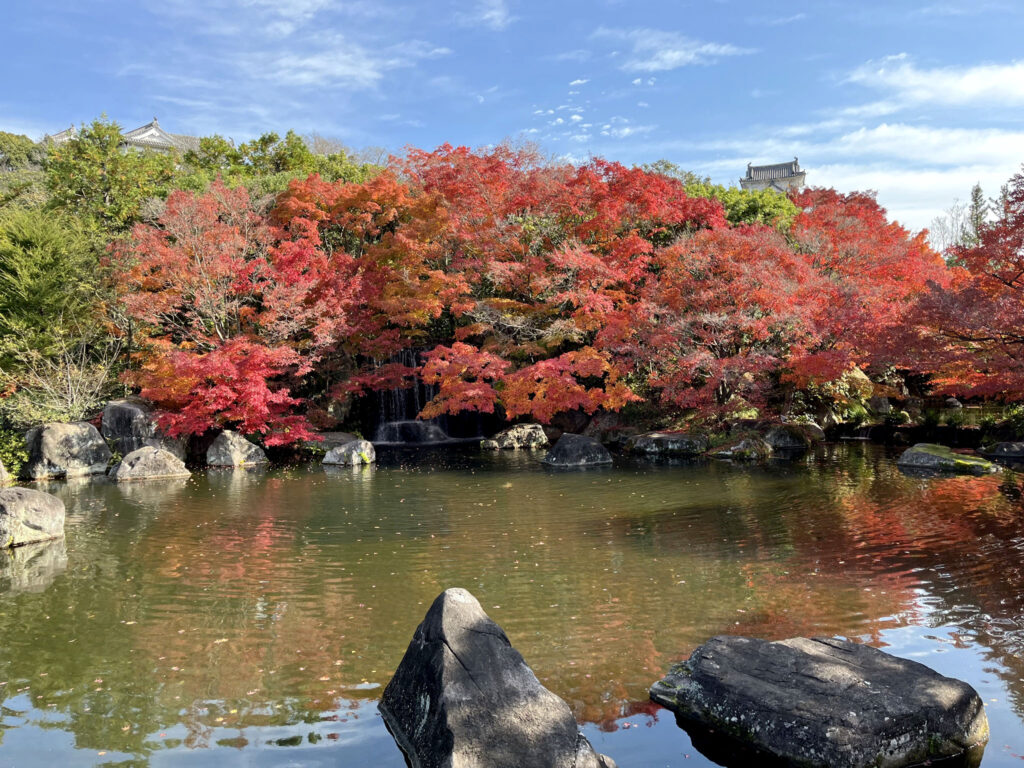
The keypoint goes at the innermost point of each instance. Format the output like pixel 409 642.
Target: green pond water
pixel 246 618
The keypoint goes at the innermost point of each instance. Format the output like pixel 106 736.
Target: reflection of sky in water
pixel 256 615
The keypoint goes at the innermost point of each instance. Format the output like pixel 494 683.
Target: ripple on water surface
pixel 259 613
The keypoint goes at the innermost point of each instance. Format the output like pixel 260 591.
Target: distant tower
pixel 782 177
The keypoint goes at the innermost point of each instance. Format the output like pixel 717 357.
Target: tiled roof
pixel 61 136
pixel 152 136
pixel 771 172
pixel 148 136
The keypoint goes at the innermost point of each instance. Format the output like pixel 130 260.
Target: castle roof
pixel 773 172
pixel 148 136
pixel 152 136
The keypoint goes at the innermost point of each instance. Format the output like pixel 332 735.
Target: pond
pixel 252 618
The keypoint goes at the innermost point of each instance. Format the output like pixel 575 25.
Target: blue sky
pixel 915 99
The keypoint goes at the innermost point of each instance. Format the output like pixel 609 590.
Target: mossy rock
pixel 939 458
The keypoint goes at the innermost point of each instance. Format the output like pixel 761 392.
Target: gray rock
pixel 33 567
pixel 1005 451
pixel 787 437
pixel 148 463
pixel 522 437
pixel 939 458
pixel 128 426
pixel 463 696
pixel 230 449
pixel 824 702
pixel 490 445
pixel 330 440
pixel 813 432
pixel 65 450
pixel 28 515
pixel 879 405
pixel 577 451
pixel 749 449
pixel 352 453
pixel 953 403
pixel 668 444
pixel 5 477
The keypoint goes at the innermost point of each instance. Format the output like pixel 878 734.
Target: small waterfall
pixel 397 410
pixel 416 432
pixel 861 433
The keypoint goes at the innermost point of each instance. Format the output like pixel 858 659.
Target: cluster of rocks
pixel 761 440
pixel 462 695
pixel 59 451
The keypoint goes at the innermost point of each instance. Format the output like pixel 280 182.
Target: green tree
pixel 266 164
pixel 93 176
pixel 742 206
pixel 18 152
pixel 49 282
pixel 977 213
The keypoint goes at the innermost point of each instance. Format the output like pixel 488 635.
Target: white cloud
pixel 579 81
pixel 914 197
pixel 995 84
pixel 776 21
pixel 334 61
pixel 493 14
pixel 917 170
pixel 626 131
pixel 655 50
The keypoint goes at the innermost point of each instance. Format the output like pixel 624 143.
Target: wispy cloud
pixel 655 50
pixel 776 21
pixel 579 81
pixel 957 9
pixel 917 170
pixel 580 55
pixel 492 14
pixel 994 84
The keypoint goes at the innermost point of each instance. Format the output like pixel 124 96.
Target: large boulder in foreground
pixel 128 425
pixel 521 437
pixel 464 698
pixel 824 702
pixel 148 463
pixel 667 444
pixel 28 515
pixel 351 453
pixel 577 451
pixel 230 449
pixel 65 450
pixel 929 457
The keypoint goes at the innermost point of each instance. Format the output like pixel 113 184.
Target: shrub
pixel 930 418
pixel 896 418
pixel 13 451
pixel 955 418
pixel 1015 419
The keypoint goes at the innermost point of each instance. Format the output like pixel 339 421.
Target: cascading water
pixel 397 410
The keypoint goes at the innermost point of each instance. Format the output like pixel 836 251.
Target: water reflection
pixel 238 611
pixel 32 567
